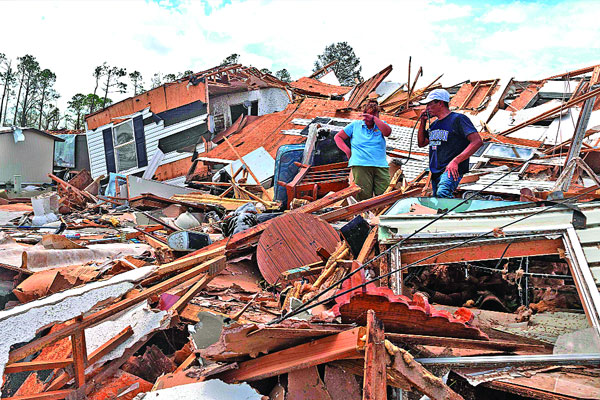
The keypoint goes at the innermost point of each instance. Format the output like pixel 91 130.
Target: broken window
pixel 124 144
pixel 500 150
pixel 246 108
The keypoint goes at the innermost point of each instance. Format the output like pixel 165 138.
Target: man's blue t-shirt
pixel 367 145
pixel 447 139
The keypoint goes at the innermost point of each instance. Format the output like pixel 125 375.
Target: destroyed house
pixel 166 124
pixel 26 155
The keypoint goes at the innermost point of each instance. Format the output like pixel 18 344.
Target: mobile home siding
pixel 33 159
pixel 153 132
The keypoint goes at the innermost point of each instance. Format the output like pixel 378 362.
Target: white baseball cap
pixel 437 94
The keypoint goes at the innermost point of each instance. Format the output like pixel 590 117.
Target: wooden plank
pixel 248 168
pixel 374 379
pixel 198 286
pixel 37 365
pixel 79 356
pixel 347 344
pixel 492 345
pixel 368 246
pixel 109 311
pixel 54 395
pixel 96 355
pixel 369 204
pixel 357 368
pixel 482 251
pixel 419 377
pixel 209 252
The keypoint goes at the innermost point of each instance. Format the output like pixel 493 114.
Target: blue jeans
pixel 443 185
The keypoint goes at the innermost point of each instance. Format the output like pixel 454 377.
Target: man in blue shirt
pixel 366 153
pixel 452 139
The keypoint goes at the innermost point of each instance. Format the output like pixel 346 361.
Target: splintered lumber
pixel 37 365
pixel 193 291
pixel 96 355
pixel 552 112
pixel 55 395
pixel 418 376
pixel 211 251
pixel 79 357
pixel 374 382
pixel 356 367
pixel 92 319
pixel 249 237
pixel 347 344
pixel 491 345
pixel 247 168
pixel 237 342
pixel 368 204
pixel 227 203
pixel 368 245
pixel 483 251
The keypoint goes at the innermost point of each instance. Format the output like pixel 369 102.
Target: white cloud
pixel 526 40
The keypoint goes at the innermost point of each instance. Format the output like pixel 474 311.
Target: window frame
pixel 117 147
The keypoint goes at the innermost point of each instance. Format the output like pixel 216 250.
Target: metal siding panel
pixel 33 159
pixel 590 235
pixel 592 254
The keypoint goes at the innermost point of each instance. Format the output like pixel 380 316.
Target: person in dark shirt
pixel 452 139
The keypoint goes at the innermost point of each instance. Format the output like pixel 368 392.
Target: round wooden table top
pixel 291 241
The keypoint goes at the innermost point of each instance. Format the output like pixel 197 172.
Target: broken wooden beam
pixel 482 251
pixel 374 378
pixel 368 204
pixel 92 319
pixel 80 358
pixel 96 355
pixel 250 236
pixel 37 365
pixel 440 341
pixel 343 345
pixel 198 286
pixel 54 395
pixel 418 376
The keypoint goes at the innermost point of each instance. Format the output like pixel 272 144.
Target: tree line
pixel 28 97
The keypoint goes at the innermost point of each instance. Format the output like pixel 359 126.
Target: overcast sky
pixel 461 39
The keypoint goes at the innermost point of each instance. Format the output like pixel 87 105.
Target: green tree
pixel 98 73
pixel 156 81
pixel 137 81
pixel 170 78
pixel 231 59
pixel 28 70
pixel 46 80
pixel 94 102
pixel 283 75
pixel 266 71
pixel 112 81
pixel 75 108
pixel 348 66
pixel 7 77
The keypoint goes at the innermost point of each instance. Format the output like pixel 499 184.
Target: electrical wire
pixel 351 273
pixel 306 306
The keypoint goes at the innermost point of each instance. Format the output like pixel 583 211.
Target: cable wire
pixel 307 307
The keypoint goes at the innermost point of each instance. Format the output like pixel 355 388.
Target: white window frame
pixel 116 146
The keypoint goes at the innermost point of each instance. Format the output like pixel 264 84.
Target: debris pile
pixel 214 248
